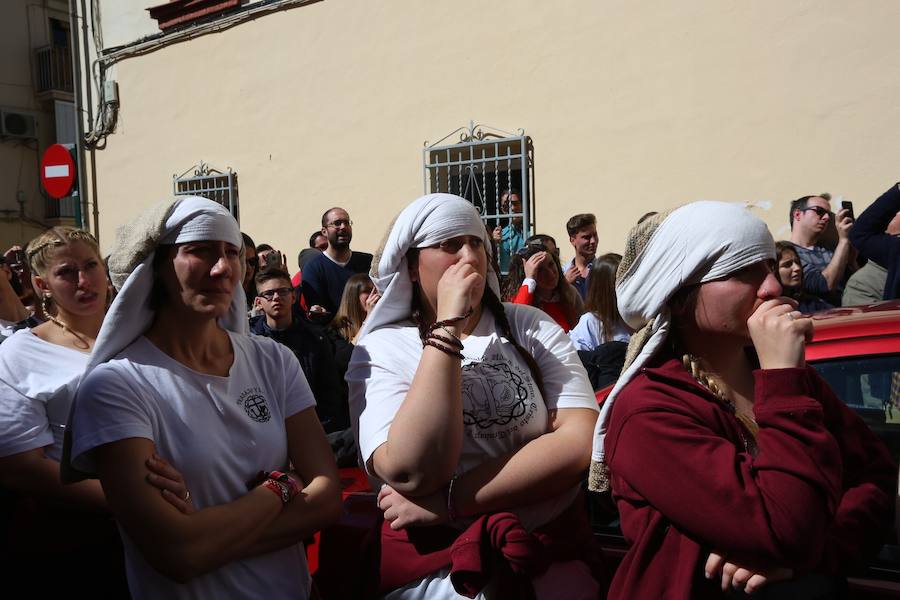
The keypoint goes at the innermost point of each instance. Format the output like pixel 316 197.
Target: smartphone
pixel 849 206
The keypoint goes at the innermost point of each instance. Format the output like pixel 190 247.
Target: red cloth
pixel 685 485
pixel 555 309
pixel 495 546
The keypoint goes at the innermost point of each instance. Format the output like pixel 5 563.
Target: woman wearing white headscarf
pixel 175 378
pixel 474 414
pixel 732 462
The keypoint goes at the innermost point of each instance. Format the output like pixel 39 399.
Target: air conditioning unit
pixel 17 124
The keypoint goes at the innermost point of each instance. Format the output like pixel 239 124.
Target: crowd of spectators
pixel 54 298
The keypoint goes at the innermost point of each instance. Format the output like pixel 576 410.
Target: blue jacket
pixel 868 236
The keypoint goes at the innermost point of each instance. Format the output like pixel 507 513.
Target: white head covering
pixel 188 219
pixel 428 221
pixel 693 244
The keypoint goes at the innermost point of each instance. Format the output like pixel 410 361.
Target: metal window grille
pixel 209 182
pixel 479 167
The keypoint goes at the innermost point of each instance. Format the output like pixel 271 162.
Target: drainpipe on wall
pixel 80 208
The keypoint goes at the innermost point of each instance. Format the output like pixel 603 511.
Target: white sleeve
pixel 580 335
pixel 23 422
pixel 107 409
pixel 379 386
pixel 566 383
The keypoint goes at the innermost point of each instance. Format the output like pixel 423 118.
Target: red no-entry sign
pixel 58 170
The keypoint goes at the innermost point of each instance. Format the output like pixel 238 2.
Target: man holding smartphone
pixel 824 271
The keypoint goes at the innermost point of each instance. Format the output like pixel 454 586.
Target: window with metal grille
pixel 483 164
pixel 209 182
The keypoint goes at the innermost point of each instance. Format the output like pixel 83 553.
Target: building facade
pixel 37 109
pixel 613 108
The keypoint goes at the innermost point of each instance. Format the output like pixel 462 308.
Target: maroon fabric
pixel 685 485
pixel 493 547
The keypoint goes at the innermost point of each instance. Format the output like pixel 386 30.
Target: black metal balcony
pixel 54 69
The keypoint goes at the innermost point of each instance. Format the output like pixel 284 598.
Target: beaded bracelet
pixel 442 348
pixel 454 342
pixel 450 321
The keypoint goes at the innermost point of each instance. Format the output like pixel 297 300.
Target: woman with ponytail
pixel 733 464
pixel 473 419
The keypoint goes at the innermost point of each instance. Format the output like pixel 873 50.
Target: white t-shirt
pixel 38 380
pixel 502 406
pixel 588 333
pixel 219 432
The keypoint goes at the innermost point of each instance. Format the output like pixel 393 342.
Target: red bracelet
pixel 289 482
pixel 279 489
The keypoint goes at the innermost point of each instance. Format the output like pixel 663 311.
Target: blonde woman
pixel 56 526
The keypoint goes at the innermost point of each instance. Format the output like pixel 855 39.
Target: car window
pixel 870 385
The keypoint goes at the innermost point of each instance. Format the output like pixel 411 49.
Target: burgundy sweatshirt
pixel 816 495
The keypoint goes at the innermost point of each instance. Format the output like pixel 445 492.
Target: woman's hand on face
pixel 402 512
pixel 735 576
pixel 779 334
pixel 168 480
pixel 534 263
pixel 372 300
pixel 457 291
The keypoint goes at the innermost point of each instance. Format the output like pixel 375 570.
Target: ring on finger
pixel 187 495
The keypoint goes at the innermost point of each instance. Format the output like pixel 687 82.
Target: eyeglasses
pixel 455 244
pixel 818 210
pixel 282 292
pixel 340 223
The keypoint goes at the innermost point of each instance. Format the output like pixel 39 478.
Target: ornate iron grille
pixel 480 166
pixel 209 182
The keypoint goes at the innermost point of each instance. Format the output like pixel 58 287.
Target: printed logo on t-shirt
pixel 496 394
pixel 254 404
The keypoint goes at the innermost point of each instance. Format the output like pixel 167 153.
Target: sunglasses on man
pixel 818 210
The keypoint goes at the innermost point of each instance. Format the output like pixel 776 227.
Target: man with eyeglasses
pixel 824 271
pixel 275 296
pixel 325 276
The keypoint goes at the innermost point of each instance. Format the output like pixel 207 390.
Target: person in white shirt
pixel 67 530
pixel 467 409
pixel 602 322
pixel 175 376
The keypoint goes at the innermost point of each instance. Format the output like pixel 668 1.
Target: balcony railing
pixel 54 69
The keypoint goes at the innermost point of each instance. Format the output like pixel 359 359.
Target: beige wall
pixel 631 107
